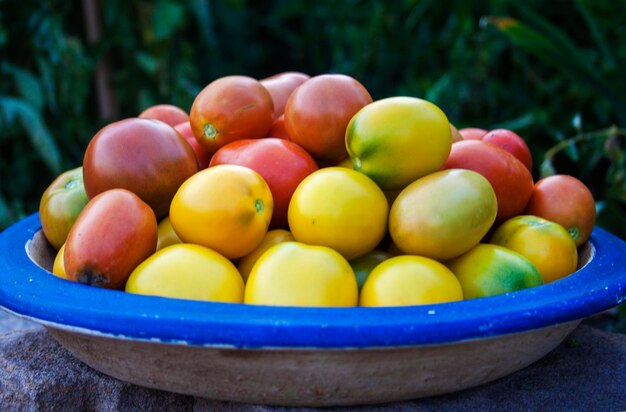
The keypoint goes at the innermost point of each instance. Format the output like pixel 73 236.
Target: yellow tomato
pixel 166 234
pixel 295 274
pixel 547 244
pixel 488 270
pixel 397 140
pixel 58 267
pixel 187 271
pixel 341 209
pixel 272 238
pixel 226 208
pixel 443 215
pixel 410 280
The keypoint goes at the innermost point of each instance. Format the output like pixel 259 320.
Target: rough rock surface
pixel 587 372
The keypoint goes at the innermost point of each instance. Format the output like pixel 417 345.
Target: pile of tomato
pixel 304 191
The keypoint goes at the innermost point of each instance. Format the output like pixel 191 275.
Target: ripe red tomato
pixel 166 113
pixel 280 87
pixel 283 165
pixel 145 156
pixel 114 233
pixel 319 110
pixel 202 156
pixel 472 133
pixel 278 128
pixel 510 179
pixel 512 143
pixel 231 108
pixel 567 201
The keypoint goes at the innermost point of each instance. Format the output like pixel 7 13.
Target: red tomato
pixel 512 143
pixel 231 108
pixel 278 128
pixel 472 133
pixel 145 156
pixel 280 87
pixel 567 201
pixel 166 113
pixel 283 165
pixel 510 179
pixel 318 112
pixel 202 156
pixel 115 232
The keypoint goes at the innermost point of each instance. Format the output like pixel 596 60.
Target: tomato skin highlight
pixel 60 205
pixel 115 232
pixel 511 180
pixel 567 201
pixel 319 110
pixel 283 165
pixel 147 157
pixel 231 108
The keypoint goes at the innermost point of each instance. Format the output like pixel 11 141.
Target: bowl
pixel 292 356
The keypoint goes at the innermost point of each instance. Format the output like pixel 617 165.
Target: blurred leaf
pixel 26 83
pixel 612 217
pixel 13 110
pixel 6 217
pixel 518 123
pixel 596 34
pixel 560 54
pixel 166 18
pixel 547 168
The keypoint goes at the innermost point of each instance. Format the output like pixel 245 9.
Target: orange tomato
pixel 226 208
pixel 546 244
pixel 567 201
pixel 231 108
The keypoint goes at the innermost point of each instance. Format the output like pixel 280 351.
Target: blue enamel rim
pixel 29 290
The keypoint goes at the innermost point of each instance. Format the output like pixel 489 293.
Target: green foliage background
pixel 551 71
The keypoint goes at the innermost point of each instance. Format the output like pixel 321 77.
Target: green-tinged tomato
pixel 60 205
pixel 443 215
pixel 364 265
pixel 397 140
pixel 547 244
pixel 489 270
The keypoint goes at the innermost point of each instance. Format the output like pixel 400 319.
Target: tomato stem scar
pixel 259 206
pixel 210 131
